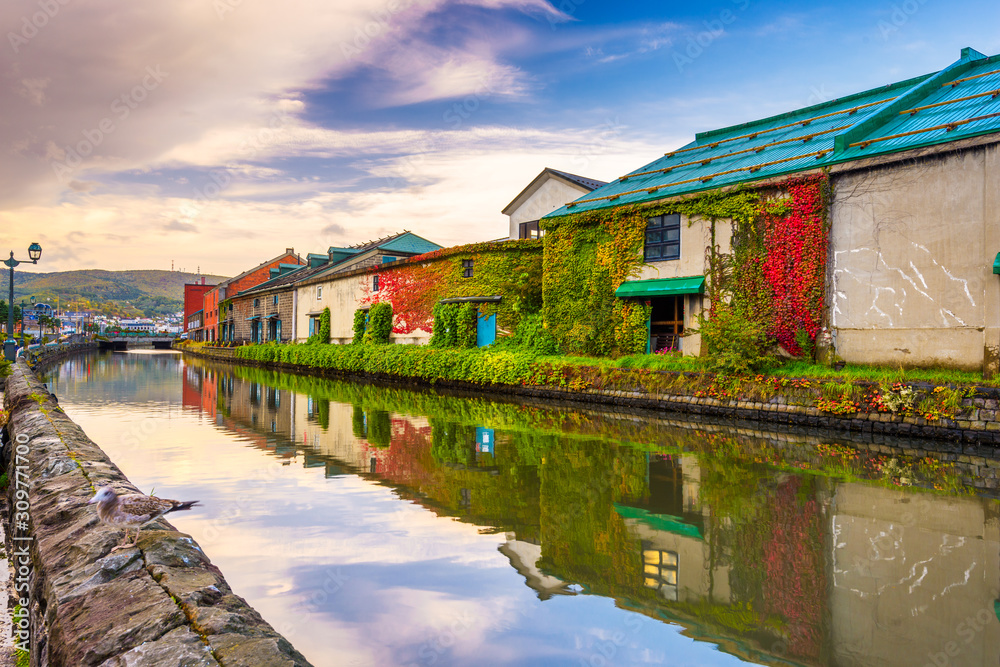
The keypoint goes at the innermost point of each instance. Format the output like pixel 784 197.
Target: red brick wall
pixel 193 299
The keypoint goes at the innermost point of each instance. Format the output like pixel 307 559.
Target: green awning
pixel 996 264
pixel 664 522
pixel 662 287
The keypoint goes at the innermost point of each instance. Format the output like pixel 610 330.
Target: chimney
pixel 289 251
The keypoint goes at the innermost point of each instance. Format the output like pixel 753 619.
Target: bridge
pixel 124 340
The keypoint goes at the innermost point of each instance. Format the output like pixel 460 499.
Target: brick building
pixel 215 300
pixel 194 295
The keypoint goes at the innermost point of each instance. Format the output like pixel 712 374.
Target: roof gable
pixel 581 183
pixel 958 102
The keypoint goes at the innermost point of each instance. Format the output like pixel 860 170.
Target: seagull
pixel 133 510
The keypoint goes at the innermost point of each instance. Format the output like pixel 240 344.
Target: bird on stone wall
pixel 133 510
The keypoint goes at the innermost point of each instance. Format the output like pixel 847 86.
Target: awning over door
pixel 662 287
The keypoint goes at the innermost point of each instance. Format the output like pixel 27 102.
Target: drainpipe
pixel 996 271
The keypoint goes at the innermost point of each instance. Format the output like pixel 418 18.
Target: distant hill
pixel 121 293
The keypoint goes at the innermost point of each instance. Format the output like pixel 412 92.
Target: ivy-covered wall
pixel 510 269
pixel 773 273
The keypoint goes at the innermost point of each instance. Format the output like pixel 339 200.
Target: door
pixel 486 329
pixel 666 323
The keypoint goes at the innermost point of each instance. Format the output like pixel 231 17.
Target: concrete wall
pixel 911 254
pixel 933 560
pixel 159 603
pixel 696 239
pixel 341 295
pixel 551 195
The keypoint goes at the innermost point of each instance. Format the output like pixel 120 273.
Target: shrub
pixel 466 321
pixel 324 326
pixel 445 330
pixel 530 336
pixel 379 428
pixel 737 343
pixel 360 322
pixel 379 324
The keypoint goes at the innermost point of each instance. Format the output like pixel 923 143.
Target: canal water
pixel 380 526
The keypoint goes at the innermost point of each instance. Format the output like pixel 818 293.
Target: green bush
pixel 466 321
pixel 444 332
pixel 530 336
pixel 4 368
pixel 359 425
pixel 737 343
pixel 379 428
pixel 379 324
pixel 324 326
pixel 360 322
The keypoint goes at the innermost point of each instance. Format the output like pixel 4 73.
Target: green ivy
pixel 467 316
pixel 324 326
pixel 379 324
pixel 360 322
pixel 445 331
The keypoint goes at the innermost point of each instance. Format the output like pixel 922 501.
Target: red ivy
pixel 794 264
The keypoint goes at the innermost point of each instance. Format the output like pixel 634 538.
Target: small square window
pixel 467 267
pixel 374 283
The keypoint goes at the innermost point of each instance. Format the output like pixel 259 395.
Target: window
pixel 256 303
pixel 374 283
pixel 275 300
pixel 467 267
pixel 663 238
pixel 660 570
pixel 529 230
pixel 319 292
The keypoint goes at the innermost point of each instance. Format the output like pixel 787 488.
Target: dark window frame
pixel 663 238
pixel 468 268
pixel 525 229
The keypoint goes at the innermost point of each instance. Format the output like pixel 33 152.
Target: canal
pixel 382 526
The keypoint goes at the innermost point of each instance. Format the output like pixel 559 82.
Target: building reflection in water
pixel 774 566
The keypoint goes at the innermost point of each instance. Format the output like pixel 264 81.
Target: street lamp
pixel 10 345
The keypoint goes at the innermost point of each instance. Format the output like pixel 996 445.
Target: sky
pixel 212 134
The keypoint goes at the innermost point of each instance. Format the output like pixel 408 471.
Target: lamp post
pixel 10 345
pixel 24 306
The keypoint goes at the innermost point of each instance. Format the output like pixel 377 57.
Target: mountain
pixel 121 293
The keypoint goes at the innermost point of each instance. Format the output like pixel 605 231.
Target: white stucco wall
pixel 552 194
pixel 912 248
pixel 696 238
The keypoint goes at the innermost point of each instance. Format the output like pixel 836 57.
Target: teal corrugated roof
pixel 875 122
pixel 410 243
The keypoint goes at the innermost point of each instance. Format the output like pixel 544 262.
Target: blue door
pixel 486 330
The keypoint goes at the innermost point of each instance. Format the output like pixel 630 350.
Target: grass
pixel 880 374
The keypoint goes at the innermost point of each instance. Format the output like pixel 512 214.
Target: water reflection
pixel 447 530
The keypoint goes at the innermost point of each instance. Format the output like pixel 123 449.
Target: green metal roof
pixel 958 102
pixel 662 287
pixel 996 264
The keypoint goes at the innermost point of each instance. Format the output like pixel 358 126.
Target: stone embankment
pixel 160 603
pixel 977 424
